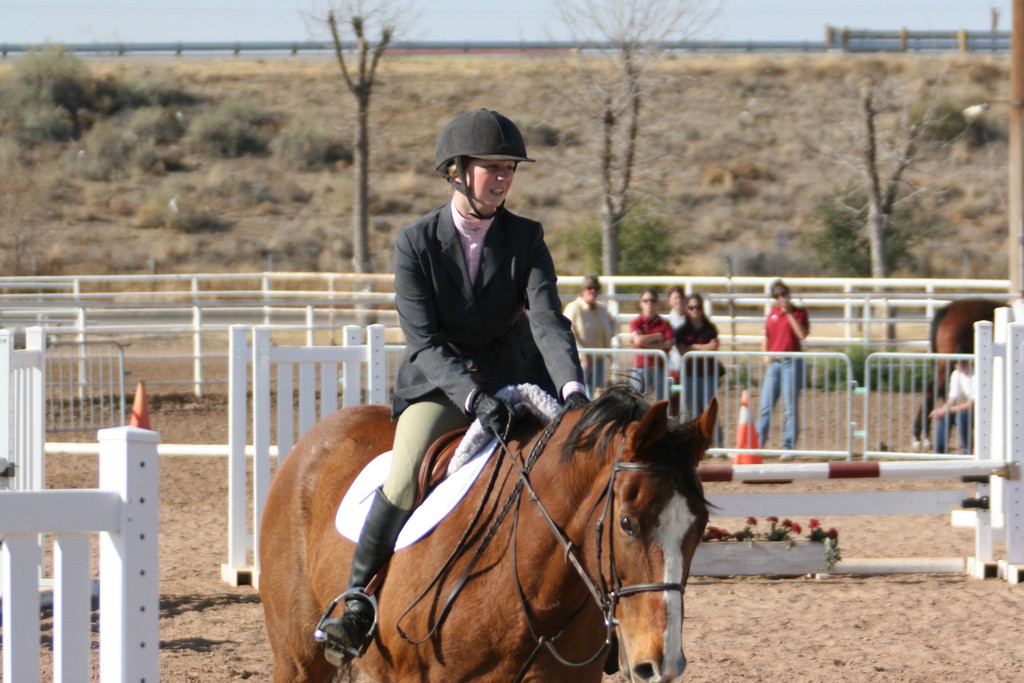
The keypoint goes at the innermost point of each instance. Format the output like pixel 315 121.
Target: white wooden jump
pixel 362 379
pixel 124 512
pixel 22 411
pixel 995 471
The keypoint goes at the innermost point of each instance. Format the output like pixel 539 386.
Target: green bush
pixel 309 147
pixel 840 239
pixel 108 152
pixel 232 129
pixel 645 245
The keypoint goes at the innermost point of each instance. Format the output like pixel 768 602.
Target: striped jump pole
pixel 956 469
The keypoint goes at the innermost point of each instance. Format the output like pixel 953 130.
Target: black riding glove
pixel 576 399
pixel 494 413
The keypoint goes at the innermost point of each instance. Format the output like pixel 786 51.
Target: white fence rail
pixel 995 469
pixel 305 376
pixel 196 311
pixel 123 511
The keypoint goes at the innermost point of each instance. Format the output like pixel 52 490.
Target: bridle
pixel 606 597
pixel 606 593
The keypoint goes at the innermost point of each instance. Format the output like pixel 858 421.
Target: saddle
pixel 434 467
pixel 433 470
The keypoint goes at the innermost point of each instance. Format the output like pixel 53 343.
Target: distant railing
pixel 183 320
pixel 904 40
pixel 846 39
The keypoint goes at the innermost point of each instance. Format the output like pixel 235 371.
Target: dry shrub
pixel 108 152
pixel 158 125
pixel 308 146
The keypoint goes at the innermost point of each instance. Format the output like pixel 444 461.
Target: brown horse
pixel 952 327
pixel 574 534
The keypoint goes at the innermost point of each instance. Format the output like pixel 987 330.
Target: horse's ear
pixel 651 428
pixel 706 425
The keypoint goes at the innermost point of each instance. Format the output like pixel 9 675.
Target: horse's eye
pixel 627 525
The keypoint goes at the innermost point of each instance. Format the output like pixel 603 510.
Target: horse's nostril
pixel 645 671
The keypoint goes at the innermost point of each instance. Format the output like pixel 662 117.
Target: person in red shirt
pixel 650 331
pixel 786 326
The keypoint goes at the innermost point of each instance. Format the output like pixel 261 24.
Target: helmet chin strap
pixel 462 185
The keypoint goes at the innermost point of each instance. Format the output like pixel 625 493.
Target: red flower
pixel 814 524
pixel 751 521
pixel 787 523
pixel 773 520
pixel 833 534
pixel 796 528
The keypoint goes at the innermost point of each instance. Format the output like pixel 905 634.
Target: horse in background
pixel 951 327
pixel 576 533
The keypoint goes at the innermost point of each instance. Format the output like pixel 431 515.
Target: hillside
pixel 735 152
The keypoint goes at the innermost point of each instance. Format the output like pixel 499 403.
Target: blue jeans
pixel 786 377
pixel 696 392
pixel 963 421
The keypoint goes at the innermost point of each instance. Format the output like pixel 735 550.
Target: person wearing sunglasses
pixel 785 327
pixel 699 376
pixel 650 331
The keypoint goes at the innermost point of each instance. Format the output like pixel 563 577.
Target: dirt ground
pixel 924 628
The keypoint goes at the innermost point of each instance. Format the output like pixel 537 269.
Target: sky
pixel 135 21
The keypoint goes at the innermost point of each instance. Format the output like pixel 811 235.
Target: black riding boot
pixel 345 636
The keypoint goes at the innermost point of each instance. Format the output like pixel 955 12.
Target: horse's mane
pixel 618 407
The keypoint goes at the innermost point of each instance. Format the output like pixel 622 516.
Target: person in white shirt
pixel 958 408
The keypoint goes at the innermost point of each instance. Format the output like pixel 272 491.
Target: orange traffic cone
pixel 746 434
pixel 140 408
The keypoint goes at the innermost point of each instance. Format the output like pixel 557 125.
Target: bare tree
pixel 359 71
pixel 900 123
pixel 617 82
pixel 883 170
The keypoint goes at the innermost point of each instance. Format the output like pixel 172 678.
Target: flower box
pixel 715 558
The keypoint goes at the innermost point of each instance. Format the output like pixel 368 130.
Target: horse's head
pixel 657 517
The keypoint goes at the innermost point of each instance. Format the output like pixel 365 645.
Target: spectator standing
pixel 650 331
pixel 699 376
pixel 958 408
pixel 594 328
pixel 785 328
pixel 676 317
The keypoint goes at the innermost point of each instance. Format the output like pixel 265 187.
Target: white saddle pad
pixel 442 500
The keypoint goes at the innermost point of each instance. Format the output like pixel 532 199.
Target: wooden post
pixel 1015 240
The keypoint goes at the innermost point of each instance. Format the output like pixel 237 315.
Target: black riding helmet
pixel 479 134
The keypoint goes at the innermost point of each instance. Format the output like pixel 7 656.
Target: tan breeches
pixel 419 425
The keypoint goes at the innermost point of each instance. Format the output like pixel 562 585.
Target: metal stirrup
pixel 357 593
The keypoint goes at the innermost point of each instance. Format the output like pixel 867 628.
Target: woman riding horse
pixel 476 300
